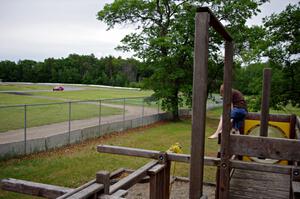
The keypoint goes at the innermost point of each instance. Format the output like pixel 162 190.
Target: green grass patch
pixel 13 117
pixel 23 87
pixel 96 94
pixel 13 99
pixel 75 165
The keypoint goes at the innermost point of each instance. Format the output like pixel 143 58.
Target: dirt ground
pixel 180 190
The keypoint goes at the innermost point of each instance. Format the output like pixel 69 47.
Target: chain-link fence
pixel 31 121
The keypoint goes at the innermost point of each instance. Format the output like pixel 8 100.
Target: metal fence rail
pixel 69 116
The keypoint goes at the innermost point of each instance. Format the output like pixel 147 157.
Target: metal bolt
pixel 161 157
pixel 296 173
pixel 224 165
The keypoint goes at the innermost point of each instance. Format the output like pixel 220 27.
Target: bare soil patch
pixel 180 190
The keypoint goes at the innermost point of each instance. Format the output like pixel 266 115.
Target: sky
pixel 39 29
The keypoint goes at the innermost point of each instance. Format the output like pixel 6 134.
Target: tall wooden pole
pixel 265 102
pixel 226 124
pixel 199 104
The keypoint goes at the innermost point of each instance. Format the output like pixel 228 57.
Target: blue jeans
pixel 238 115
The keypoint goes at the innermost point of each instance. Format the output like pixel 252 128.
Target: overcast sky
pixel 39 29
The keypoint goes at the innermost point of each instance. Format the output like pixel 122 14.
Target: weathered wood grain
pixel 33 188
pixel 266 90
pixel 254 184
pixel 133 178
pixel 272 168
pixel 209 161
pixel 199 103
pixel 87 192
pixel 274 148
pixel 216 24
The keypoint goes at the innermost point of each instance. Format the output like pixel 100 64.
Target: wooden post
pixel 199 104
pixel 156 180
pixel 265 103
pixel 166 179
pixel 226 124
pixel 102 177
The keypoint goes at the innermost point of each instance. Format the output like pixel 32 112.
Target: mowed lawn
pixel 23 87
pixel 13 117
pixel 77 164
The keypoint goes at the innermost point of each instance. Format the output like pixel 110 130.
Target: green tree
pixel 283 50
pixel 164 39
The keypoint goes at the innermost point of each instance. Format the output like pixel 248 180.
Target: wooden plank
pixel 272 117
pixel 226 124
pixel 155 174
pixel 209 161
pixel 128 151
pixel 265 102
pixel 293 126
pixel 297 133
pixel 274 148
pixel 216 24
pixel 133 178
pixel 117 195
pixel 199 104
pixel 77 189
pixel 33 188
pixel 87 192
pixel 105 196
pixel 255 184
pixel 120 193
pixel 273 168
pixel 166 180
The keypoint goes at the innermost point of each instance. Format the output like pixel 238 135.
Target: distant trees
pixel 86 69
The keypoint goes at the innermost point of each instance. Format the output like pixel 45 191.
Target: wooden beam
pixel 77 189
pixel 156 181
pixel 297 133
pixel 33 188
pixel 293 126
pixel 226 124
pixel 272 168
pixel 132 178
pixel 274 148
pixel 199 104
pixel 91 190
pixel 265 102
pixel 128 151
pixel 216 24
pixel 272 117
pixel 209 161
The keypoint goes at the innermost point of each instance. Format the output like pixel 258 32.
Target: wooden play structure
pixel 239 174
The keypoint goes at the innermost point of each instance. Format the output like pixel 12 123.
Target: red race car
pixel 58 88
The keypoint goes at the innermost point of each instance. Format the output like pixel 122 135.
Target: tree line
pixel 79 69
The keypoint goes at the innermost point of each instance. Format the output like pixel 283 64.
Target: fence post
pixel 100 117
pixel 124 114
pixel 69 122
pixel 157 110
pixel 25 128
pixel 143 107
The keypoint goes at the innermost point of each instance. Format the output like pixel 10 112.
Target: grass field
pixel 75 165
pixel 23 87
pixel 13 117
pixel 95 94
